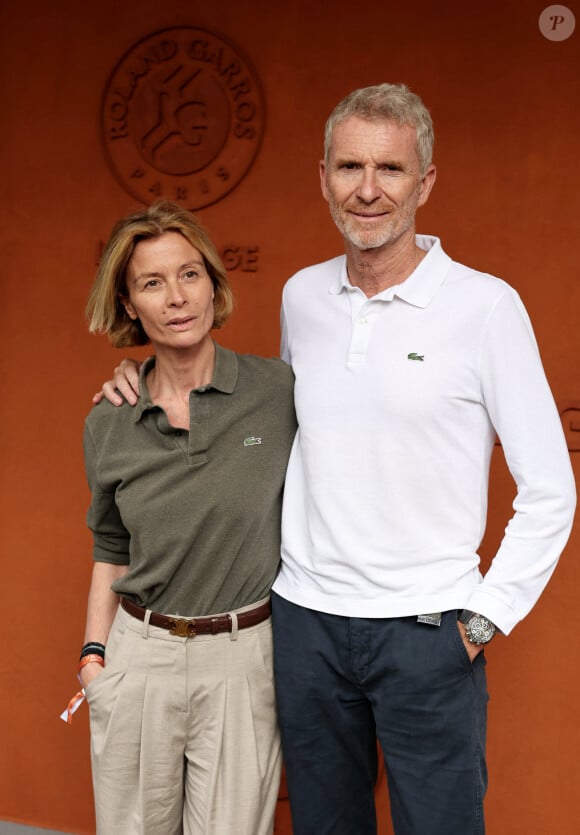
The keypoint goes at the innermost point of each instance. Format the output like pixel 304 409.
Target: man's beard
pixel 385 232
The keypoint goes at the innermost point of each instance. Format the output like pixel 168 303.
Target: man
pixel 407 364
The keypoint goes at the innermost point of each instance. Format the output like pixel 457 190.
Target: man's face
pixel 373 182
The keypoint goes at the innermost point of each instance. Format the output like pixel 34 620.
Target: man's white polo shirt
pixel 399 398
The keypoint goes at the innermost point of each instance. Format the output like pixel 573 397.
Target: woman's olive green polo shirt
pixel 195 515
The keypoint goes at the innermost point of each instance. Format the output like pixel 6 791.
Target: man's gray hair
pixel 382 102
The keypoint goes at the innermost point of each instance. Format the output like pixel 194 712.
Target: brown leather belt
pixel 190 627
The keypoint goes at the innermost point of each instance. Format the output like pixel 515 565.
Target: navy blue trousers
pixel 341 684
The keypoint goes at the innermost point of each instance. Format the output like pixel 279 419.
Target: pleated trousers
pixel 184 738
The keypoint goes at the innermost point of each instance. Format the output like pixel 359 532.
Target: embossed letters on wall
pixel 182 117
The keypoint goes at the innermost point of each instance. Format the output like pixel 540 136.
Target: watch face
pixel 480 630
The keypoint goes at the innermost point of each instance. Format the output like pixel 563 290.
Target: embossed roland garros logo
pixel 182 117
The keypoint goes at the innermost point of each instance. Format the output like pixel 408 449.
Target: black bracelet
pixel 93 648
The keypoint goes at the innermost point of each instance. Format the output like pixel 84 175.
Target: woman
pixel 185 511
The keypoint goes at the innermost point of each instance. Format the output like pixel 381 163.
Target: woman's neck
pixel 177 373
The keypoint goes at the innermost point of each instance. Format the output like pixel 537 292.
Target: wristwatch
pixel 478 629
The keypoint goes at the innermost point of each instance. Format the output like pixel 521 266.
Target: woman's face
pixel 170 292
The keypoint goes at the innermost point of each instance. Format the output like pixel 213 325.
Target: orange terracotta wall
pixel 505 104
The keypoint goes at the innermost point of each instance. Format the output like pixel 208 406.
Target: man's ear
pixel 128 307
pixel 323 183
pixel 426 185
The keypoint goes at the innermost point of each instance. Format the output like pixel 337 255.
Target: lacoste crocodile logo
pixel 415 356
pixel 252 441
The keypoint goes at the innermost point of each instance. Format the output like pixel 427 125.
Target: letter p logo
pixel 557 23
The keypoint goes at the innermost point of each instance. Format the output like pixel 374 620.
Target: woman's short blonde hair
pixel 105 311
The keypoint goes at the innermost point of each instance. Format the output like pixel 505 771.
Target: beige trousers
pixel 184 738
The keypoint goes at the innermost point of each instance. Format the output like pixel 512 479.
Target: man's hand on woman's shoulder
pixel 123 386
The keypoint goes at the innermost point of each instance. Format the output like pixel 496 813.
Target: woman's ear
pixel 128 307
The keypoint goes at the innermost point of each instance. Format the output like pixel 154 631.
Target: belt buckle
pixel 183 627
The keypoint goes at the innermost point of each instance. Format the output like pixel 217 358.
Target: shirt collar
pixel 420 287
pixel 224 379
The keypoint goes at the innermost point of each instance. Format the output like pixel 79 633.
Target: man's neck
pixel 375 270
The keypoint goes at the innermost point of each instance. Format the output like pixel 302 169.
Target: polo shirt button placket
pixel 360 336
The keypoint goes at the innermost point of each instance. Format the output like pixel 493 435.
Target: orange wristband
pixel 90 659
pixel 79 697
